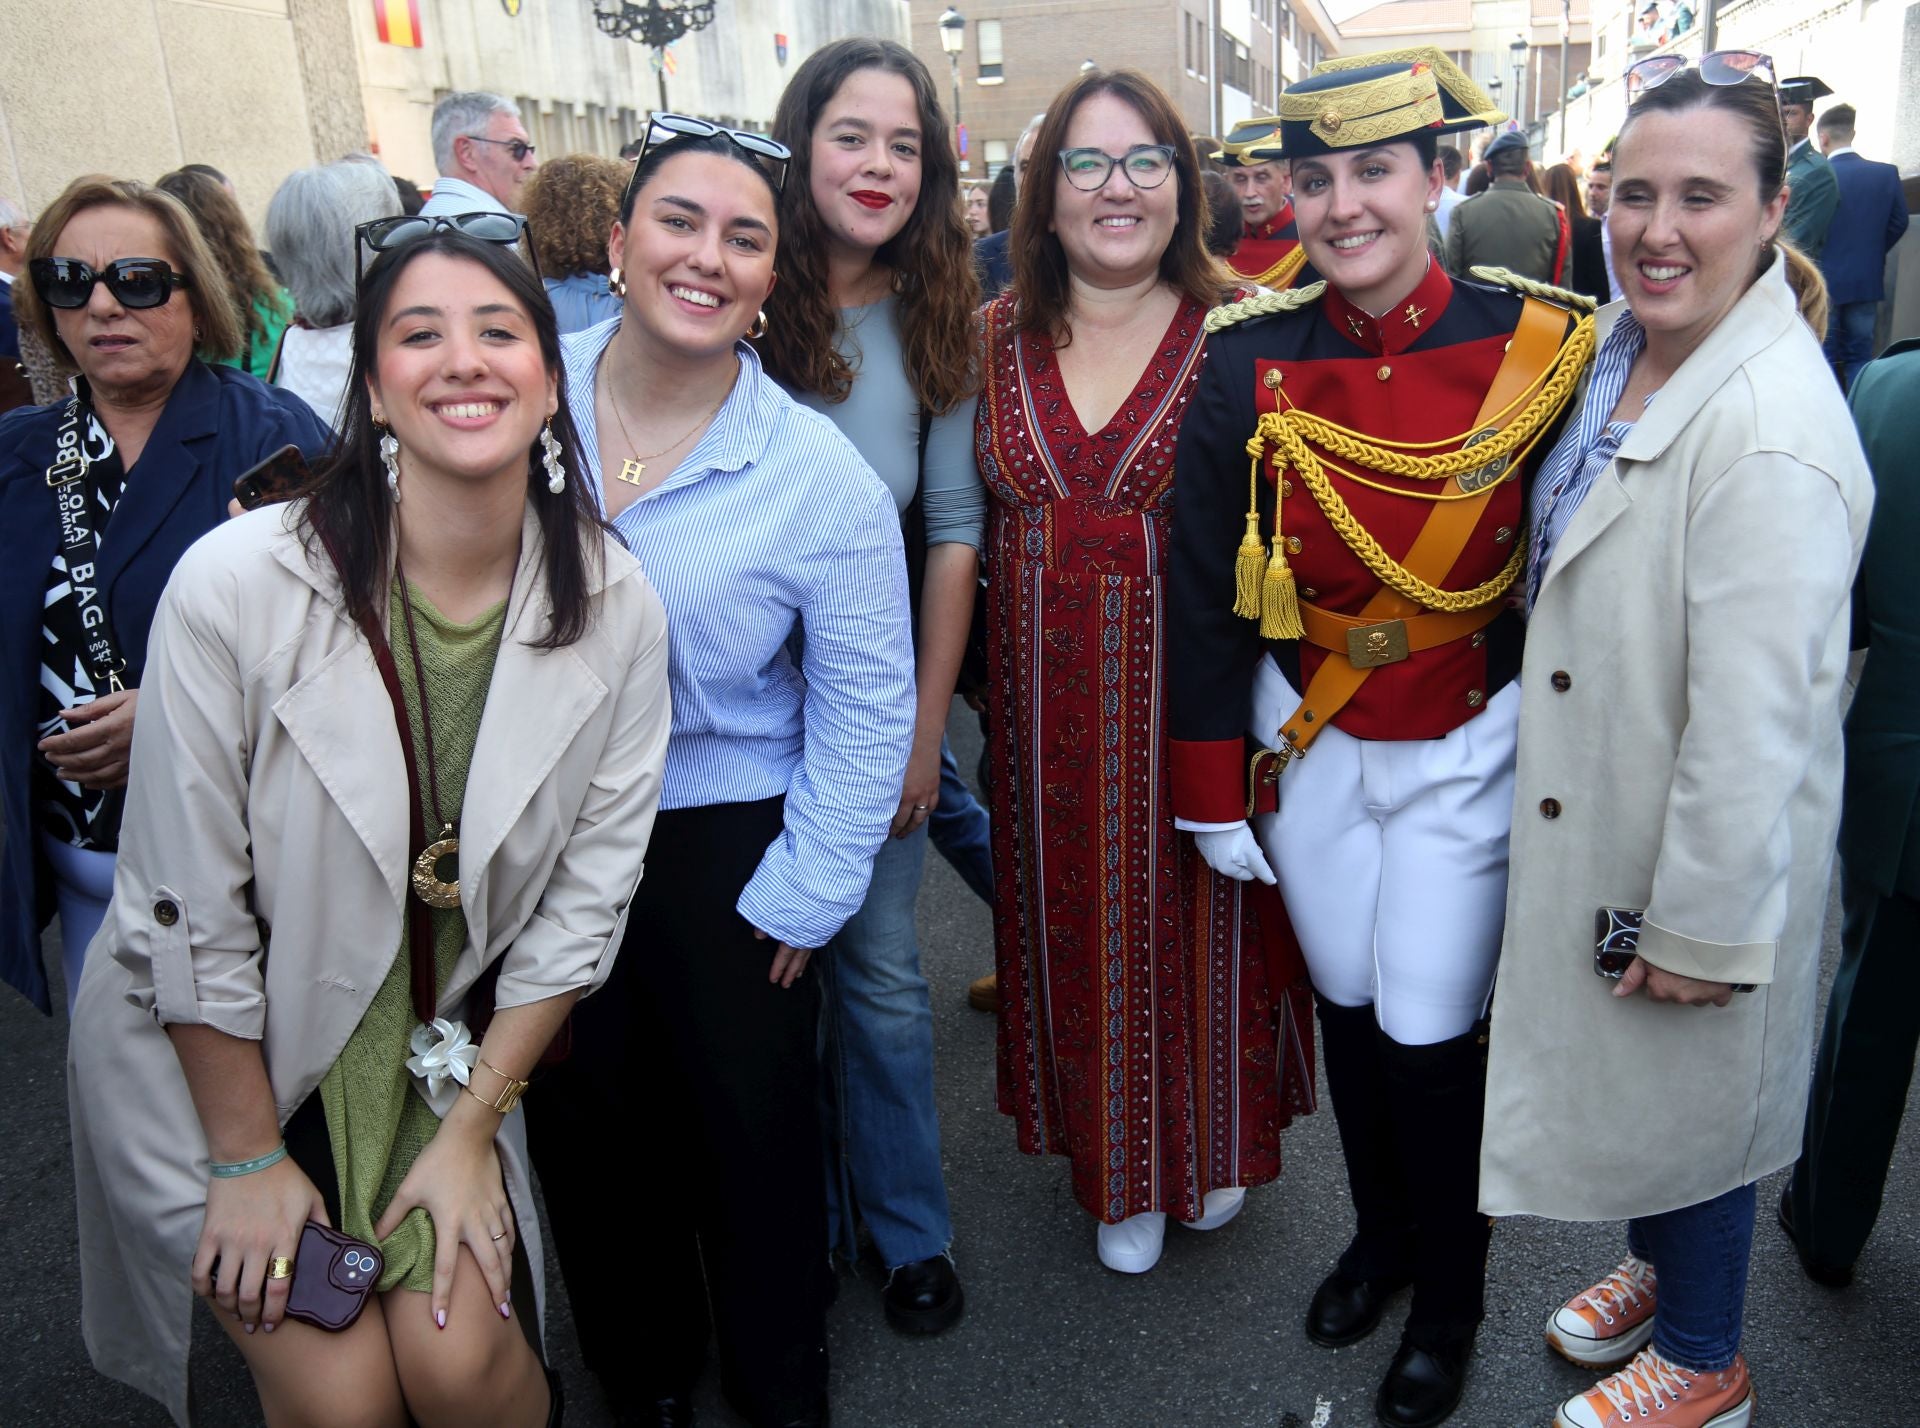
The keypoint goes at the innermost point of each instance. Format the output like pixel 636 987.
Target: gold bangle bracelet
pixel 509 1095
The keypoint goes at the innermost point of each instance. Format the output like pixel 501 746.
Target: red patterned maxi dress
pixel 1140 1034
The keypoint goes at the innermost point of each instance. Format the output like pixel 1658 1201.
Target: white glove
pixel 1234 853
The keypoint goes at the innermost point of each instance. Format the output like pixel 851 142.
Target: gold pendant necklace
pixel 436 872
pixel 634 467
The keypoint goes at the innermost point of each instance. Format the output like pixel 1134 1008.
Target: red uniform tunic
pixel 1269 255
pixel 1138 1032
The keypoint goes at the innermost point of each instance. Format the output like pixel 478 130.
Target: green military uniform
pixel 1508 226
pixel 1814 196
pixel 1873 1018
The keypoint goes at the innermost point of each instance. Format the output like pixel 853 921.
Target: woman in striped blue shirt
pixel 777 554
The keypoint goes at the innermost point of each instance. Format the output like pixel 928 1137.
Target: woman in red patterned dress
pixel 1143 1032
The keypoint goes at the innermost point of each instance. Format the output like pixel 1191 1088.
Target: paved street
pixel 1209 1337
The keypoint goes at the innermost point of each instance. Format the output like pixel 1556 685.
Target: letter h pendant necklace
pixel 635 467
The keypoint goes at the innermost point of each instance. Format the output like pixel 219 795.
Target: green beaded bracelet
pixel 232 1170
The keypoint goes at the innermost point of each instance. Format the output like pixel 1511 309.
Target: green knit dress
pixel 377 1119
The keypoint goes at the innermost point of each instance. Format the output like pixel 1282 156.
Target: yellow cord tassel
pixel 1246 566
pixel 1279 600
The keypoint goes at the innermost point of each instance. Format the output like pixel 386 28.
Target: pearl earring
pixel 550 458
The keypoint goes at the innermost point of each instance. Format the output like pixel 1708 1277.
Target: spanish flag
pixel 398 22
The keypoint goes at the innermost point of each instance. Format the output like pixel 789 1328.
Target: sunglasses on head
pixel 383 235
pixel 519 148
pixel 665 128
pixel 134 282
pixel 1721 67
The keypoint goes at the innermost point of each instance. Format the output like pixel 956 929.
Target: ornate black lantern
pixel 654 23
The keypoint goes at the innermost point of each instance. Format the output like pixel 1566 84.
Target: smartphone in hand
pixel 273 480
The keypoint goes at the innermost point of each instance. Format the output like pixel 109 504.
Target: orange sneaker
pixel 1652 1392
pixel 1604 1326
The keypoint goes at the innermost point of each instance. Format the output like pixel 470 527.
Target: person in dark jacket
pixel 1587 262
pixel 1867 222
pixel 141 461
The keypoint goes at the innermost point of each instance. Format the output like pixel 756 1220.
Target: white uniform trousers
pixel 1392 857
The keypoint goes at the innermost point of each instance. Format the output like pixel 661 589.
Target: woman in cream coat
pixel 1695 537
pixel 269 808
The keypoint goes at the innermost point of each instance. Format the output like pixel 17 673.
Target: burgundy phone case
pixel 332 1276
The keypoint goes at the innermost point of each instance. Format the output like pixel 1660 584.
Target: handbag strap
pixel 80 544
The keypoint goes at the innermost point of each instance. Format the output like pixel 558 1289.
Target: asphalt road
pixel 1211 1336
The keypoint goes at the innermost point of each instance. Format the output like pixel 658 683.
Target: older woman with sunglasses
pixel 777 553
pixel 122 286
pixel 1694 538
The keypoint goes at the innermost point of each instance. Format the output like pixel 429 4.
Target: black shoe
pixel 1346 1308
pixel 1424 1382
pixel 924 1297
pixel 1825 1275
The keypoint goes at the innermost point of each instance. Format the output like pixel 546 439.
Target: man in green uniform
pixel 1508 225
pixel 1813 194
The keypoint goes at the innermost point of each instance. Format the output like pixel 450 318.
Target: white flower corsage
pixel 442 1048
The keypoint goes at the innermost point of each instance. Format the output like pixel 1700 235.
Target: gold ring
pixel 279 1267
pixel 501 1236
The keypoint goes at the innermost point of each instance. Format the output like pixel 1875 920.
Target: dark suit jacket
pixel 1880 814
pixel 992 262
pixel 1868 221
pixel 1588 263
pixel 217 423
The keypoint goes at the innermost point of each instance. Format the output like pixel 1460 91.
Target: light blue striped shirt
pixel 1585 448
pixel 770 526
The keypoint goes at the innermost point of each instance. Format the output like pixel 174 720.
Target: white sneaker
pixel 1133 1246
pixel 1219 1207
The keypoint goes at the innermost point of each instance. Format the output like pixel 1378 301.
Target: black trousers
pixel 1861 1075
pixel 678 1147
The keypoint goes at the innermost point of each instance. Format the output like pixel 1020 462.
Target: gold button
pixel 1475 699
pixel 1384 373
pixel 1272 379
pixel 1503 535
pixel 1293 545
pixel 1286 488
pixel 165 912
pixel 1479 639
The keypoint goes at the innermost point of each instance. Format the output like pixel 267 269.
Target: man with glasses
pixel 482 152
pixel 1813 193
pixel 14 228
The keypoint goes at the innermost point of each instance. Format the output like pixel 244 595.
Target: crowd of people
pixel 430 776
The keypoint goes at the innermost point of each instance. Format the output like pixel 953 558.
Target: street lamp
pixel 953 39
pixel 1518 49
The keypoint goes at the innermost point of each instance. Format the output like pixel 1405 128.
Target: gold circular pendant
pixel 436 874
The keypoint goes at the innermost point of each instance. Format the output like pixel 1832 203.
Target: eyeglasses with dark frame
pixel 383 235
pixel 519 148
pixel 134 282
pixel 685 126
pixel 1146 166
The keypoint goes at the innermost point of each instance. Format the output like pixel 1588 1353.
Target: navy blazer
pixel 1871 216
pixel 9 328
pixel 993 263
pixel 218 422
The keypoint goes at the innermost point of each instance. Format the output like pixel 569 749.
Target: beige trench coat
pixel 268 798
pixel 1680 721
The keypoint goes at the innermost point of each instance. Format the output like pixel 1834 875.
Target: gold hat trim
pixel 1451 79
pixel 1356 115
pixel 1267 138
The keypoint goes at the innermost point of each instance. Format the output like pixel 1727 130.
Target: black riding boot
pixel 1380 1258
pixel 1438 1095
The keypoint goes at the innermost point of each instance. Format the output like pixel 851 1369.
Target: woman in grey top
pixel 871 323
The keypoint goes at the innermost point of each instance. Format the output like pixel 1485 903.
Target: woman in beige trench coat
pixel 1695 536
pixel 266 883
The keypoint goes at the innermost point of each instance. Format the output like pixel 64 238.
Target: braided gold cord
pixel 1436 497
pixel 1263 305
pixel 1282 272
pixel 1532 287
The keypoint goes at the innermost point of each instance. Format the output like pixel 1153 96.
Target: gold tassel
pixel 1279 600
pixel 1246 566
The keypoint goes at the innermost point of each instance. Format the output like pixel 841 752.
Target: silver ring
pixel 501 1236
pixel 919 808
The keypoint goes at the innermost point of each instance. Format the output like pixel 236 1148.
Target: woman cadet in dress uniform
pixel 1362 631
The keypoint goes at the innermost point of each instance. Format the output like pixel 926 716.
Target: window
pixel 994 154
pixel 1286 21
pixel 987 36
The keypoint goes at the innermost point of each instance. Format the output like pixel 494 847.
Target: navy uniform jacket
pixel 218 422
pixel 1880 811
pixel 1417 375
pixel 993 263
pixel 1811 199
pixel 1867 222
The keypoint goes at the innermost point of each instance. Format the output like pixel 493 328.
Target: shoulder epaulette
pixel 1527 287
pixel 1263 305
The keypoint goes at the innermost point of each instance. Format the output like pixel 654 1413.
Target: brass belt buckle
pixel 1370 646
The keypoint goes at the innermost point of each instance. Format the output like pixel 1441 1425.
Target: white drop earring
pixel 390 458
pixel 550 458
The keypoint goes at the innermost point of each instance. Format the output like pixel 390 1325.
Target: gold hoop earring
pixel 758 328
pixel 616 284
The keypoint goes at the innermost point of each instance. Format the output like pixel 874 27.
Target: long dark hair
pixel 349 512
pixel 1040 263
pixel 1758 107
pixel 931 258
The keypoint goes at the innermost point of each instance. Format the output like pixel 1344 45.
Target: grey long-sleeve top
pixel 881 417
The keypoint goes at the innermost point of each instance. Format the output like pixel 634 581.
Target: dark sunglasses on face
pixel 134 282
pixel 1721 67
pixel 665 128
pixel 383 235
pixel 519 148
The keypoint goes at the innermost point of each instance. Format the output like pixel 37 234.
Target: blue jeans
pixel 883 1128
pixel 959 829
pixel 1701 1254
pixel 1849 342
